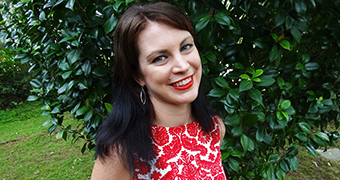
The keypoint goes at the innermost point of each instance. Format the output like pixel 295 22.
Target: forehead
pixel 156 36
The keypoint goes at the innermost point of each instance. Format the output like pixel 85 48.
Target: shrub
pixel 271 68
pixel 14 77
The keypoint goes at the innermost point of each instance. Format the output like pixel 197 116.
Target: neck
pixel 169 115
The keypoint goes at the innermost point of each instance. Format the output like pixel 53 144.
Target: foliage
pixel 14 78
pixel 271 69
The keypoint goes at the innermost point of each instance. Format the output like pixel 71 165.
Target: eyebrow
pixel 164 50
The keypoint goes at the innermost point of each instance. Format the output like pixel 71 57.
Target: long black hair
pixel 127 130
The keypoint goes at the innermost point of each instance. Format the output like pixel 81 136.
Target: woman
pixel 160 127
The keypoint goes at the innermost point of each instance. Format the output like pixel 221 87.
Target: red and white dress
pixel 185 153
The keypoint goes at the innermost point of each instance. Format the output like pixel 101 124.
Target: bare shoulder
pixel 111 168
pixel 222 127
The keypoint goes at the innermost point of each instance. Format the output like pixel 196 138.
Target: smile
pixel 183 84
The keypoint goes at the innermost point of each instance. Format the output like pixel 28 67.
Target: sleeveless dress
pixel 185 153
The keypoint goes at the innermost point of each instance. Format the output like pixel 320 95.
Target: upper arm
pixel 110 169
pixel 222 128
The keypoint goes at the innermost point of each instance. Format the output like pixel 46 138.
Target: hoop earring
pixel 142 96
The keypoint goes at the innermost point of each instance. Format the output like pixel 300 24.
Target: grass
pixel 315 168
pixel 30 153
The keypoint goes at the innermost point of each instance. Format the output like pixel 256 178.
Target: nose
pixel 180 64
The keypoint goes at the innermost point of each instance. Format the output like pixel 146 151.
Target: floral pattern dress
pixel 185 153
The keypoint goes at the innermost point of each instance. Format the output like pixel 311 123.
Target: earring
pixel 142 96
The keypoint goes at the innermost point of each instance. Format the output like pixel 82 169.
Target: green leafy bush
pixel 14 78
pixel 271 68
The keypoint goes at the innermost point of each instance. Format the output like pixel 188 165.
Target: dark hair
pixel 127 129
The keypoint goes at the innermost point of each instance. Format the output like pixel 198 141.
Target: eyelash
pixel 162 57
pixel 157 59
pixel 187 45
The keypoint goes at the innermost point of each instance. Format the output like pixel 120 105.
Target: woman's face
pixel 170 64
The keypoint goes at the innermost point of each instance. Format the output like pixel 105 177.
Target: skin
pixel 165 52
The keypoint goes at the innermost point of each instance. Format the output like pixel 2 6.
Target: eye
pixel 159 58
pixel 186 47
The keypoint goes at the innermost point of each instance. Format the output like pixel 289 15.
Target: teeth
pixel 183 83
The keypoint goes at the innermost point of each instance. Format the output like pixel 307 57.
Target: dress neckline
pixel 173 127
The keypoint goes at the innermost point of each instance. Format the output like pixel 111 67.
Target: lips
pixel 183 84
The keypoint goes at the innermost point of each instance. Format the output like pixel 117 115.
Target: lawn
pixel 27 151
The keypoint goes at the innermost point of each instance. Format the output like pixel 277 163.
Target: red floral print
pixel 185 153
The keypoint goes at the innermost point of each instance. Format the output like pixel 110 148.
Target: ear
pixel 140 81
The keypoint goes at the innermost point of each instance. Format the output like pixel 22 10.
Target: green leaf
pixel 305 127
pixel 52 128
pixel 285 44
pixel 238 66
pixel 284 165
pixel 285 104
pixel 110 24
pixel 108 107
pixel 66 74
pixel 245 85
pixel 296 34
pixel 250 70
pixel 274 54
pixel 36 83
pixel 210 55
pixel 279 115
pixel 273 158
pixel 256 80
pixel 271 172
pixel 300 6
pixel 223 18
pixel 32 98
pixel 222 82
pixel 100 71
pixel 245 142
pixel 266 81
pixel 216 92
pixel 233 120
pixel 261 134
pixel 60 134
pixel 257 73
pixel 233 93
pixel 74 55
pixel 245 76
pixel 202 22
pixel 311 150
pixel 312 66
pixel 275 37
pixel 42 16
pixel 64 66
pixel 301 136
pixel 256 95
pixel 46 123
pixel 70 4
pixel 63 88
pixel 86 67
pixel 236 131
pixel 294 163
pixel 88 115
pixel 236 153
pixel 234 164
pixel 305 58
pixel 322 135
pixel 82 111
pixel 279 20
pixel 81 86
pixel 49 3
